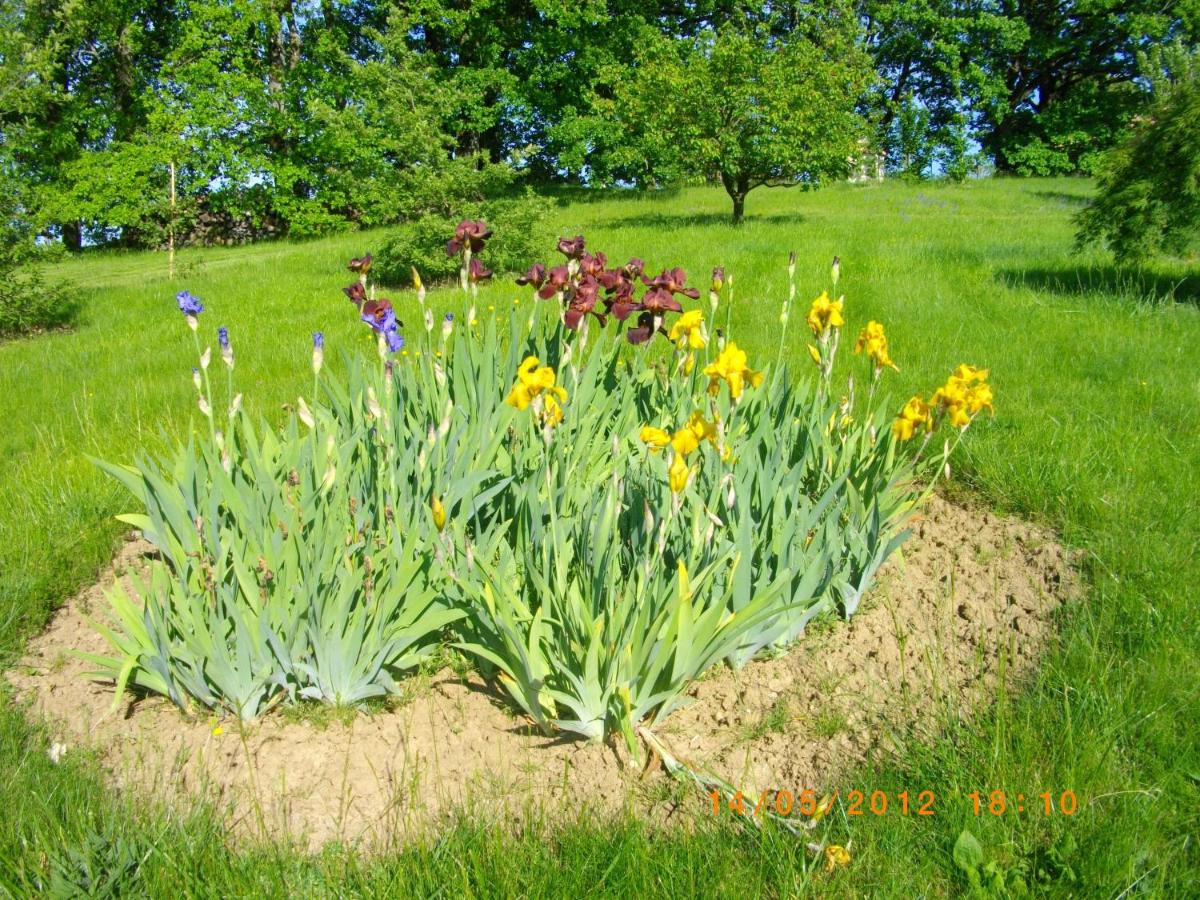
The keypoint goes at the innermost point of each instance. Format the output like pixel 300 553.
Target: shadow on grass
pixel 690 220
pixel 1132 283
pixel 1064 198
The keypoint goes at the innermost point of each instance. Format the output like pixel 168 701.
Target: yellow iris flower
pixel 439 513
pixel 731 368
pixel 655 438
pixel 678 474
pixel 535 380
pixel 825 314
pixel 964 394
pixel 915 413
pixel 688 331
pixel 874 341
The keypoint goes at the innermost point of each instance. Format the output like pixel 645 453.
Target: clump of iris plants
pixel 595 519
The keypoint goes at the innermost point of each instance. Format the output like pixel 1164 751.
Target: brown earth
pixel 962 613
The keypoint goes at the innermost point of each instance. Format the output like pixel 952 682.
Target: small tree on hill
pixel 749 109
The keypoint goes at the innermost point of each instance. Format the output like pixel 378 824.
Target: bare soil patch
pixel 963 613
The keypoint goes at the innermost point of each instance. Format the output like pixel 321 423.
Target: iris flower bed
pixel 596 501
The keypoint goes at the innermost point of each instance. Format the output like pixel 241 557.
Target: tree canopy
pixel 301 116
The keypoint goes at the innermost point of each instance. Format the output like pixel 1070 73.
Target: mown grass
pixel 1097 433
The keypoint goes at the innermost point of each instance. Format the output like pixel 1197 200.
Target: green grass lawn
pixel 1097 433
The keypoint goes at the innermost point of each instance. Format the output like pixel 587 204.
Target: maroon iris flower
pixel 659 300
pixel 571 248
pixel 718 278
pixel 593 265
pixel 643 331
pixel 621 304
pixel 476 271
pixel 360 264
pixel 672 281
pixel 471 233
pixel 356 292
pixel 556 282
pixel 379 314
pixel 583 301
pixel 535 276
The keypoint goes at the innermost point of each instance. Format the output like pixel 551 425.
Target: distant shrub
pixel 28 302
pixel 521 226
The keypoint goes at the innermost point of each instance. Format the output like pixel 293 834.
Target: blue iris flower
pixel 223 337
pixel 318 340
pixel 189 304
pixel 395 341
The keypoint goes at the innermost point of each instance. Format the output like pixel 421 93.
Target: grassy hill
pixel 1097 433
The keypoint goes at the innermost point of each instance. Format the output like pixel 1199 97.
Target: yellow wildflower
pixel 731 368
pixel 825 314
pixel 836 855
pixel 915 412
pixel 688 331
pixel 439 513
pixel 874 341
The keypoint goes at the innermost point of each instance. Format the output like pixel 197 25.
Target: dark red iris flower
pixel 660 300
pixel 571 248
pixel 360 264
pixel 471 233
pixel 643 331
pixel 378 313
pixel 672 280
pixel 556 282
pixel 356 292
pixel 535 276
pixel 476 272
pixel 593 265
pixel 635 267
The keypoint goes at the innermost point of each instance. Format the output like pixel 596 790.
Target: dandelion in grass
pixel 836 855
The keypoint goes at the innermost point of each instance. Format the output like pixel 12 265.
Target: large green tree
pixel 749 109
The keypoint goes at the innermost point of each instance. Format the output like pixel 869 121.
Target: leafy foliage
pixel 1149 195
pixel 521 225
pixel 748 110
pixel 539 523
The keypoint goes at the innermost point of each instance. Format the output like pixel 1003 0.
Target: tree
pixel 749 109
pixel 1149 195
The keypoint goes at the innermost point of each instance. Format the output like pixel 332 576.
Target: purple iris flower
pixel 318 340
pixel 223 337
pixel 395 340
pixel 189 304
pixel 449 317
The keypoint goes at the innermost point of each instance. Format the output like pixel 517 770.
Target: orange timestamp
pixel 997 803
pixel 807 803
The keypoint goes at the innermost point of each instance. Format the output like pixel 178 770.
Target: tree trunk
pixel 72 236
pixel 739 207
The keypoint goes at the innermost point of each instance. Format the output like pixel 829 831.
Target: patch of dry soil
pixel 968 605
